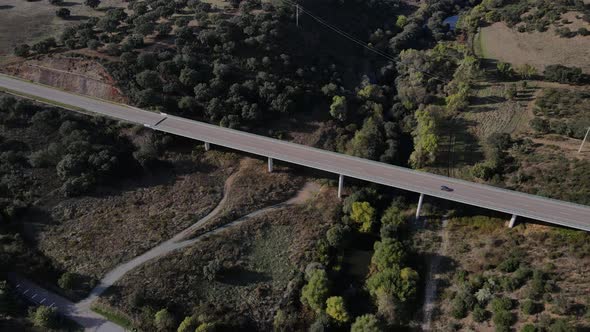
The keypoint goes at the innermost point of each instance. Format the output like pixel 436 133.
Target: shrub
pixel 509 265
pixel 44 316
pixel 501 304
pixel 164 321
pixel 67 280
pixel 528 307
pixel 528 328
pixel 480 315
pixel 459 307
pixel 503 319
pixel 22 50
pixel 560 325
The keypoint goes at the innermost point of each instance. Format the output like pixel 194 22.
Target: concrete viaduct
pixel 513 203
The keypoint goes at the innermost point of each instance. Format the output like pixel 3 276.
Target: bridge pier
pixel 512 221
pixel 207 146
pixel 270 165
pixel 420 200
pixel 340 185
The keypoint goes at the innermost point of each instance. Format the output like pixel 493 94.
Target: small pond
pixel 452 21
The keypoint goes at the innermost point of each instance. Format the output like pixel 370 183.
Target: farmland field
pixel 30 22
pixel 538 49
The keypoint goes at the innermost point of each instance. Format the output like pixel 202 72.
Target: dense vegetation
pixel 527 16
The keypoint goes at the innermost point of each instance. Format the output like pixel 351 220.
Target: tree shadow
pixel 238 276
pixel 69 4
pixel 489 100
pixel 78 18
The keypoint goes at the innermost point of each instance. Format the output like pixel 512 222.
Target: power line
pixel 367 46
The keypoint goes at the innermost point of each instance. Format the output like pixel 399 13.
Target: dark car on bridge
pixel 445 188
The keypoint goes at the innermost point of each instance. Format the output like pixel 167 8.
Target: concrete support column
pixel 419 206
pixel 207 146
pixel 512 221
pixel 270 165
pixel 340 185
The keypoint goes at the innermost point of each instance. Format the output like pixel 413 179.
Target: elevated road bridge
pixel 511 202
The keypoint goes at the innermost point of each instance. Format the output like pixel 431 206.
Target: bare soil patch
pixel 254 188
pixel 82 76
pixel 538 49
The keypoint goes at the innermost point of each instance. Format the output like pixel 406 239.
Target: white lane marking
pixel 34 296
pixel 18 285
pixel 42 300
pixel 25 292
pixel 51 305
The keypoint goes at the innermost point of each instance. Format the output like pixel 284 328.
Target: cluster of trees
pixel 528 15
pixel 81 156
pixel 562 112
pixel 487 296
pixel 564 74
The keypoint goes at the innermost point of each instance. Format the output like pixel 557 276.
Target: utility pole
pixel 584 141
pixel 297 15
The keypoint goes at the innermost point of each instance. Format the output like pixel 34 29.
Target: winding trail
pixel 82 313
pixel 177 241
pixel 432 283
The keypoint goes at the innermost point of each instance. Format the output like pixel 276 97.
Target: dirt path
pixel 432 283
pixel 177 242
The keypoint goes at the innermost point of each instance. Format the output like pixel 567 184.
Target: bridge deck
pixel 512 202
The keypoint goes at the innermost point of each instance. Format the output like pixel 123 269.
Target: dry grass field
pixel 261 261
pixel 538 49
pixel 29 22
pixel 479 245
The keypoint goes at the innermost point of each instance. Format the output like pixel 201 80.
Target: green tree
pixel 148 79
pixel 398 283
pixel 164 321
pixel 393 216
pixel 401 21
pixel 63 13
pixel 388 252
pixel 338 108
pixel 426 139
pixel 366 323
pixel 315 292
pixel 206 327
pixel 67 280
pixel 364 214
pixel 335 308
pixel 368 141
pixel 188 324
pixel 44 317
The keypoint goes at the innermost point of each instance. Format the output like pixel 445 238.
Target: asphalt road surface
pixel 89 320
pixel 511 202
